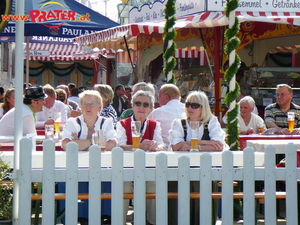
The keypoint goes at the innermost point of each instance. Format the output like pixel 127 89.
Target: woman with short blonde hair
pixel 107 95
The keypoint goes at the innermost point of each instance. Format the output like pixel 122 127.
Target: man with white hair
pixel 52 109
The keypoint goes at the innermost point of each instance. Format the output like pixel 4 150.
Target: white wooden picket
pixel 161 174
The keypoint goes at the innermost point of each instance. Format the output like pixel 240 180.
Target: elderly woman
pixel 150 140
pixel 80 130
pixel 249 122
pixel 211 137
pixel 138 86
pixel 9 102
pixel 107 95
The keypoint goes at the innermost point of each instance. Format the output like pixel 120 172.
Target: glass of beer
pixel 260 127
pixel 291 121
pixel 102 140
pixel 57 122
pixel 194 125
pixel 136 133
pixel 98 138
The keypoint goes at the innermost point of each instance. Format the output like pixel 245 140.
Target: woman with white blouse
pixel 80 131
pixel 211 137
pixel 249 123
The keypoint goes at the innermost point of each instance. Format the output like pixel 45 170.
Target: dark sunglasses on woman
pixel 193 105
pixel 145 104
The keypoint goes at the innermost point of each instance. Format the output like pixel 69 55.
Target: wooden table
pixel 244 138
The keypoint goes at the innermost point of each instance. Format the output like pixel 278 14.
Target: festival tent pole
pixel 18 129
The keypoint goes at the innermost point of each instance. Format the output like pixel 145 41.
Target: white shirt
pixel 43 116
pixel 74 98
pixel 165 114
pixel 73 126
pixel 1 111
pixel 254 122
pixel 7 123
pixel 215 132
pixel 255 111
pixel 122 137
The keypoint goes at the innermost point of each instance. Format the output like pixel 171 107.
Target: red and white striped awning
pixel 56 52
pixel 192 52
pixel 285 49
pixel 114 37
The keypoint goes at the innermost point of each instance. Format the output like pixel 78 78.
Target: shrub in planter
pixel 6 196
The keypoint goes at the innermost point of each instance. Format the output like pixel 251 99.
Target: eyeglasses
pixel 92 104
pixel 281 95
pixel 193 105
pixel 145 104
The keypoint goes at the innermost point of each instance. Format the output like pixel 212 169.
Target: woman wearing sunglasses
pixel 211 137
pixel 150 140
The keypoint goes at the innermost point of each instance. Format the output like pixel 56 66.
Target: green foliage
pixel 232 43
pixel 6 196
pixel 170 34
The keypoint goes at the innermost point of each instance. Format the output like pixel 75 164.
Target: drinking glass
pixel 61 130
pixel 49 131
pixel 95 138
pixel 260 127
pixel 136 133
pixel 57 122
pixel 98 138
pixel 194 125
pixel 291 121
pixel 102 140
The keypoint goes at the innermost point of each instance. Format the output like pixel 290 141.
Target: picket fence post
pixel 48 182
pixel 249 187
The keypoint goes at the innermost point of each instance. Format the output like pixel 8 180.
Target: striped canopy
pixel 65 52
pixel 115 37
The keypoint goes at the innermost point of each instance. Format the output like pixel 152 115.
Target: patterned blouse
pixel 109 112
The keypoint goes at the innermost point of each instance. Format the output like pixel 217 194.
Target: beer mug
pixel 291 121
pixel 135 133
pixel 49 131
pixel 194 125
pixel 98 138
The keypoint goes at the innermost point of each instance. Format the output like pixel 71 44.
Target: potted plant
pixel 6 196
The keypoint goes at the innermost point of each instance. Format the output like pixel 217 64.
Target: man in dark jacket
pixel 119 103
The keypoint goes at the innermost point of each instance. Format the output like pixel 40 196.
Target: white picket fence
pixel 161 174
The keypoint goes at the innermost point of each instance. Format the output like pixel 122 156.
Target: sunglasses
pixel 193 105
pixel 145 104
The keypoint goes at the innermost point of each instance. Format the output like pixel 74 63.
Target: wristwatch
pixel 199 148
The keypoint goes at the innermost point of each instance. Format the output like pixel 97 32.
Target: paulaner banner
pixel 60 18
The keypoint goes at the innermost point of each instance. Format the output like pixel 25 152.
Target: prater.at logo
pixel 40 16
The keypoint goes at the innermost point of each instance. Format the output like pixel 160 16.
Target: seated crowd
pixel 164 128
